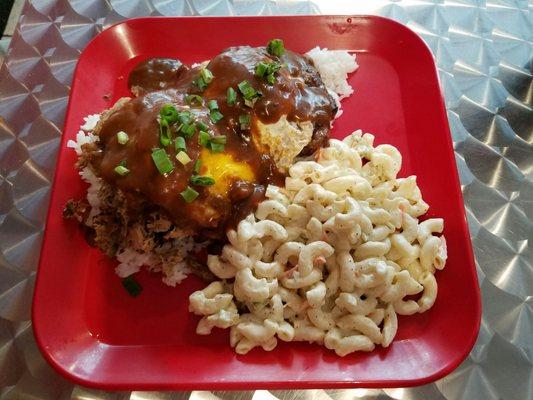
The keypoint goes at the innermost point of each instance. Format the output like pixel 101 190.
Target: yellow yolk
pixel 225 170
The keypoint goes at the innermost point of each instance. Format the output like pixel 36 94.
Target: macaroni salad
pixel 330 258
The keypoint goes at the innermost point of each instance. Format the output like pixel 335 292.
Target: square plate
pixel 92 332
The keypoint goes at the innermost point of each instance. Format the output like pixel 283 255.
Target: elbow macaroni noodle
pixel 328 259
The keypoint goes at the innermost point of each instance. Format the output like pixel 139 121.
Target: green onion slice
pixel 250 103
pixel 188 130
pixel 202 126
pixel 247 90
pixel 200 83
pixel 206 75
pixel 215 143
pixel 244 121
pixel 273 67
pixel 193 99
pixel 215 116
pixel 184 117
pixel 276 47
pixel 122 170
pixel 179 144
pixel 189 194
pixel 168 112
pixel 122 137
pixel 231 96
pixel 212 105
pixel 164 132
pixel 197 166
pixel 217 147
pixel 220 139
pixel 183 158
pixel 267 70
pixel 203 138
pixel 132 286
pixel 199 180
pixel 162 161
pixel 261 69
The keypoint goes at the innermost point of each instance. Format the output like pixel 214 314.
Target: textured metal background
pixel 484 53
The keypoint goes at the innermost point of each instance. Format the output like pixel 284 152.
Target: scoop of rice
pixel 334 67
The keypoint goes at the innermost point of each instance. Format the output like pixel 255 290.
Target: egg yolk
pixel 225 170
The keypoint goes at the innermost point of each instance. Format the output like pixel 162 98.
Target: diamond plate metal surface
pixel 484 52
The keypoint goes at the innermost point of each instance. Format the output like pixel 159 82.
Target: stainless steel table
pixel 484 53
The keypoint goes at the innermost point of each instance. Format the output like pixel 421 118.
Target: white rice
pixel 90 122
pixel 95 184
pixel 131 262
pixel 81 139
pixel 174 274
pixel 333 66
pixel 85 134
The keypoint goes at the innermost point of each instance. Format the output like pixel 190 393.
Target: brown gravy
pixel 298 93
pixel 155 74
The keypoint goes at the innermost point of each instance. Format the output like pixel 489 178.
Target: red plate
pixel 92 332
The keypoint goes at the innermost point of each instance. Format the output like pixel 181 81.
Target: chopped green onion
pixel 212 105
pixel 204 138
pixel 206 75
pixel 220 139
pixel 273 67
pixel 231 96
pixel 132 286
pixel 162 161
pixel 122 137
pixel 193 99
pixel 121 170
pixel 244 121
pixel 199 180
pixel 276 47
pixel 169 113
pixel 188 130
pixel 217 147
pixel 200 83
pixel 204 79
pixel 183 158
pixel 179 143
pixel 267 70
pixel 164 132
pixel 261 69
pixel 197 166
pixel 247 90
pixel 215 116
pixel 184 117
pixel 202 126
pixel 249 93
pixel 215 143
pixel 189 194
pixel 250 103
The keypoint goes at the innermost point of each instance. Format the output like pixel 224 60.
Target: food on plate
pixel 225 168
pixel 192 152
pixel 330 258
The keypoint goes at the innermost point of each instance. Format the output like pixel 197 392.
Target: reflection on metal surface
pixel 484 52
